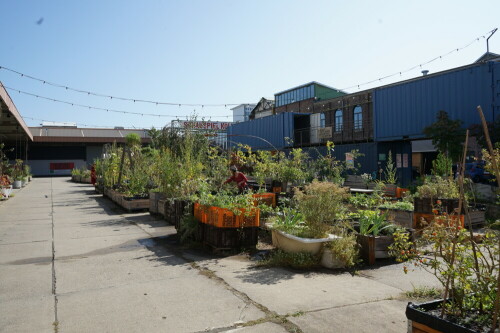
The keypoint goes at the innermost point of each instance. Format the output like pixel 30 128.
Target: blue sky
pixel 221 52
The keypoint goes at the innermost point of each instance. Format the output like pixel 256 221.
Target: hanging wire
pixel 99 108
pixel 90 93
pixel 419 65
pixel 134 100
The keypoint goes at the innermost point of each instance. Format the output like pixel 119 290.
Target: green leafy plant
pixel 438 187
pixel 326 167
pixel 390 170
pixel 298 260
pixel 442 166
pixel 321 204
pixel 372 222
pixel 401 205
pixel 361 200
pixel 345 248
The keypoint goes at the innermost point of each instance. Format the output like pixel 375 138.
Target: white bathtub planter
pixel 294 244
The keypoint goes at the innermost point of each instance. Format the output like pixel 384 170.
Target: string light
pixel 99 108
pixel 109 96
pixel 198 105
pixel 79 124
pixel 417 66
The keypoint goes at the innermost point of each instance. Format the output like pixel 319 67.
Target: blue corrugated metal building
pixel 268 133
pixel 402 110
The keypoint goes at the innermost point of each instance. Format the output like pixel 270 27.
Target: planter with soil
pixel 425 317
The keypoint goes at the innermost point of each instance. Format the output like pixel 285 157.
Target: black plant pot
pixel 422 321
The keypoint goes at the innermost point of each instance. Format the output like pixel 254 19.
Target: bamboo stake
pixel 455 236
pixel 466 210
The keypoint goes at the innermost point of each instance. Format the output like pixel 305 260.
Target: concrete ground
pixel 71 261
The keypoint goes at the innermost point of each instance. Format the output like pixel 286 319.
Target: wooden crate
pixel 161 207
pixel 477 218
pixel 402 218
pixel 230 238
pixel 373 247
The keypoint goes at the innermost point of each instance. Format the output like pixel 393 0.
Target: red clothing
pixel 239 178
pixel 93 178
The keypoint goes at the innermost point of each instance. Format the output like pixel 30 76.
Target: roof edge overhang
pixel 13 110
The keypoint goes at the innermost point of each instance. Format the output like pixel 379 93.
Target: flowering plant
pixel 466 269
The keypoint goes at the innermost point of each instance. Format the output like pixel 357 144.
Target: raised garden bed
pixel 421 319
pixel 403 218
pixel 130 204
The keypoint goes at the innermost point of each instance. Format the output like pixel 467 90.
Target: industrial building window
pixel 322 120
pixel 358 118
pixel 338 121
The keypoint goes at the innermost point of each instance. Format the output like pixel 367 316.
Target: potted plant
pixel 467 271
pixel 307 225
pixel 374 235
pixel 291 169
pixel 436 194
pixel 340 252
pixel 5 186
pixel 17 174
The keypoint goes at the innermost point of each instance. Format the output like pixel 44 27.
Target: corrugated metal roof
pixel 403 110
pixel 85 132
pixel 266 133
pixel 11 108
pixel 305 85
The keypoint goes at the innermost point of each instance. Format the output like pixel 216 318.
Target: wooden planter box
pixel 134 204
pixel 422 322
pixel 477 218
pixel 161 206
pixel 426 205
pixel 154 198
pixel 390 190
pixel 85 180
pixel 402 218
pixel 374 247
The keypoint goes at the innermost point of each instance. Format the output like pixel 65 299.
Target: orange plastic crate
pixel 266 198
pixel 251 219
pixel 226 219
pixel 200 212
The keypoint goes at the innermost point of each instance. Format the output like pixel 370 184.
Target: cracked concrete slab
pixel 386 316
pixel 287 291
pixel 181 305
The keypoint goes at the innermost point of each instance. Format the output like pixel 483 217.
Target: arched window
pixel 338 121
pixel 322 120
pixel 358 117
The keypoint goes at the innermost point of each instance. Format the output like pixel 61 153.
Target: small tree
pixel 447 135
